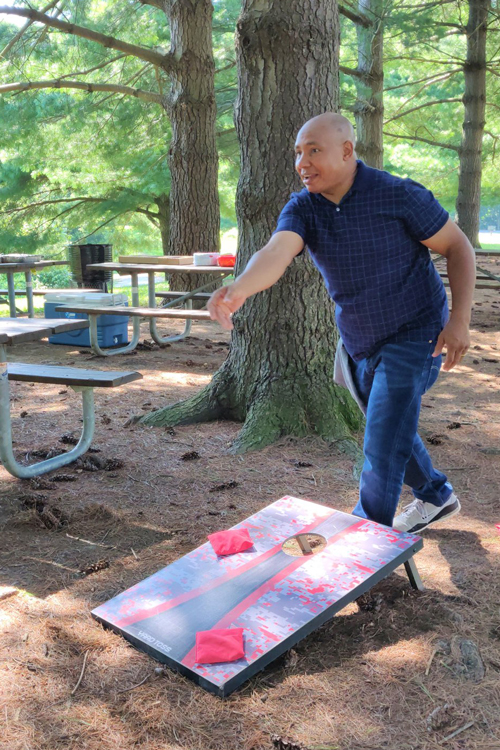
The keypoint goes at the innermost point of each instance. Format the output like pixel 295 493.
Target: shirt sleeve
pixel 423 214
pixel 292 219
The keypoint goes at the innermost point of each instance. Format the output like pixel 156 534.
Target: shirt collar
pixel 364 177
pixel 363 180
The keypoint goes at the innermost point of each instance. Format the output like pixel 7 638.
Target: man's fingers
pixel 439 346
pixel 454 357
pixel 451 359
pixel 223 303
pixel 215 302
pixel 222 314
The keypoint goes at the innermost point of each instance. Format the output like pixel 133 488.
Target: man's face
pixel 321 158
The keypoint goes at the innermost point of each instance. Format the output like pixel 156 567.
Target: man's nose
pixel 302 161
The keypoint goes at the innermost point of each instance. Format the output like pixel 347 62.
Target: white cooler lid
pixel 92 299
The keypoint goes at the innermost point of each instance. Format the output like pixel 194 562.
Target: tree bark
pixel 369 108
pixel 163 203
pixel 193 158
pixel 474 99
pixel 278 375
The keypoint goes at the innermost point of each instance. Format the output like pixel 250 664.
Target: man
pixel 369 233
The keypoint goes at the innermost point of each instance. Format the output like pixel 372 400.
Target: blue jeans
pixel 391 383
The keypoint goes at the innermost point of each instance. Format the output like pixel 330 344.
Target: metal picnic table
pixel 21 330
pixel 27 268
pixel 14 330
pixel 134 269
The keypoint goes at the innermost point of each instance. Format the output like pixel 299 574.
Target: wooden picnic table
pixel 17 330
pixel 27 268
pixel 134 269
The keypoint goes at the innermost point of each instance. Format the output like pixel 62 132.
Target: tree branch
pixel 96 67
pixel 108 221
pixel 21 31
pixel 146 96
pixel 51 202
pixel 451 25
pixel 164 61
pixel 351 71
pixel 146 211
pixel 153 3
pixel 230 65
pixel 153 218
pixel 354 17
pixel 427 6
pixel 430 79
pixel 420 106
pixel 221 133
pixel 423 140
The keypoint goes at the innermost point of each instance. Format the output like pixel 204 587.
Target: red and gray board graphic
pixel 277 599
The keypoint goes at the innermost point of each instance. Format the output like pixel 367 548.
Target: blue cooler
pixel 112 330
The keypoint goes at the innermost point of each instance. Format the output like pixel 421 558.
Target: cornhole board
pixel 278 599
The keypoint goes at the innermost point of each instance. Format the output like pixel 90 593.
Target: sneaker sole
pixel 447 512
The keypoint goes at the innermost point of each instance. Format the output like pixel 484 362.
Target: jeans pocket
pixel 433 373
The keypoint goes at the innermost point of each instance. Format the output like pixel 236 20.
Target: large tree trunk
pixel 163 204
pixel 278 375
pixel 193 158
pixel 369 108
pixel 469 180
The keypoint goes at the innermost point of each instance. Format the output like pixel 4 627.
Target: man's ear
pixel 348 149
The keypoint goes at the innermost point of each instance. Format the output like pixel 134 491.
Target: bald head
pixel 324 155
pixel 330 124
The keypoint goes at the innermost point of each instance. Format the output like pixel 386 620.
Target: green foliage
pixel 424 54
pixel 102 157
pixel 58 277
pixel 99 158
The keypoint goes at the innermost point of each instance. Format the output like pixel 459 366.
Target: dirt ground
pixel 399 670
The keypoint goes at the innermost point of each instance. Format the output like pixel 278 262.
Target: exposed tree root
pixel 202 407
pixel 277 408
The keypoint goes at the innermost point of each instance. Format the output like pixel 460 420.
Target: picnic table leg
pixel 6 452
pixel 29 293
pixel 152 321
pixel 187 298
pixel 136 327
pixel 12 294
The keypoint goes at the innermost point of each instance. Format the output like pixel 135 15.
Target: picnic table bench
pixel 80 380
pixel 133 270
pixel 136 313
pixel 484 279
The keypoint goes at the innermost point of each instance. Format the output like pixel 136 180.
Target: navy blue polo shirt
pixel 368 249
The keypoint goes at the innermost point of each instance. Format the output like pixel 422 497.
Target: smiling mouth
pixel 308 178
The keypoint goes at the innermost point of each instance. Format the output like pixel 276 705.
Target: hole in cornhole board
pixel 304 545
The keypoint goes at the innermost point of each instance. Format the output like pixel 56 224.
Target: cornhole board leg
pixel 413 575
pixel 275 597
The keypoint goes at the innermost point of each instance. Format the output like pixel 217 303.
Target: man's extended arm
pixel 451 242
pixel 263 270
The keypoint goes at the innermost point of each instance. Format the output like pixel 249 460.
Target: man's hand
pixel 223 303
pixel 455 338
pixel 263 270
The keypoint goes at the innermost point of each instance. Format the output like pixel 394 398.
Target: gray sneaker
pixel 418 515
